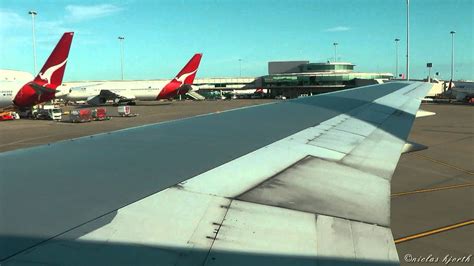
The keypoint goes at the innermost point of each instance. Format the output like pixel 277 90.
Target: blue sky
pixel 160 36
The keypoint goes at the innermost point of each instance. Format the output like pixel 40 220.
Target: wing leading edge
pixel 313 189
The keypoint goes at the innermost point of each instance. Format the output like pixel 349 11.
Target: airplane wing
pixel 123 95
pixel 298 182
pixel 106 95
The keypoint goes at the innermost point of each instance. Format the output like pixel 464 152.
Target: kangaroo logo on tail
pixel 183 77
pixel 46 76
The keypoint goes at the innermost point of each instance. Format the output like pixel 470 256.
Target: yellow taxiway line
pixel 443 163
pixel 431 189
pixel 434 231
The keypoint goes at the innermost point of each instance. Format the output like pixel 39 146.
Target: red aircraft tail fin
pixel 181 84
pixel 187 74
pixel 53 70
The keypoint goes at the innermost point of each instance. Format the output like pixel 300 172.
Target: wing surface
pixel 304 181
pixel 112 95
pixel 106 95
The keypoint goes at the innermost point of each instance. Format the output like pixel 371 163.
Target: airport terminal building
pixel 295 78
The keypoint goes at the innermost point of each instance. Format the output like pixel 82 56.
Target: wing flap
pixel 256 228
pixel 319 186
pixel 255 234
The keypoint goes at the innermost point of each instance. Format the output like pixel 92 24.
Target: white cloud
pixel 16 24
pixel 80 13
pixel 15 30
pixel 9 20
pixel 338 28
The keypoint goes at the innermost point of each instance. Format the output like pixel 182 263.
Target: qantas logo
pixel 183 77
pixel 46 76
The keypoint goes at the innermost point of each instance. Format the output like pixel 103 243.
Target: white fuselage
pixel 8 91
pixel 132 90
pixel 247 91
pixel 11 82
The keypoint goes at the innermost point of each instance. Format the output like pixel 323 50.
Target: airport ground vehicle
pixel 100 114
pixel 125 110
pixel 49 112
pixel 5 116
pixel 80 116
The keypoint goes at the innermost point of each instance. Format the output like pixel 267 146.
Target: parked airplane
pixel 249 93
pixel 16 91
pixel 462 91
pixel 129 91
pixel 237 93
pixel 311 186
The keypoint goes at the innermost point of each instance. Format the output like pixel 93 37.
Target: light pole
pixel 396 57
pixel 240 67
pixel 408 41
pixel 429 66
pixel 335 51
pixel 452 54
pixel 121 38
pixel 33 14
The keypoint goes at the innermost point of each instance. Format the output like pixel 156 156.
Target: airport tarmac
pixel 440 182
pixel 25 133
pixel 433 189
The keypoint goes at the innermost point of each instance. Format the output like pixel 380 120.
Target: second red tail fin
pixel 53 70
pixel 181 84
pixel 187 74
